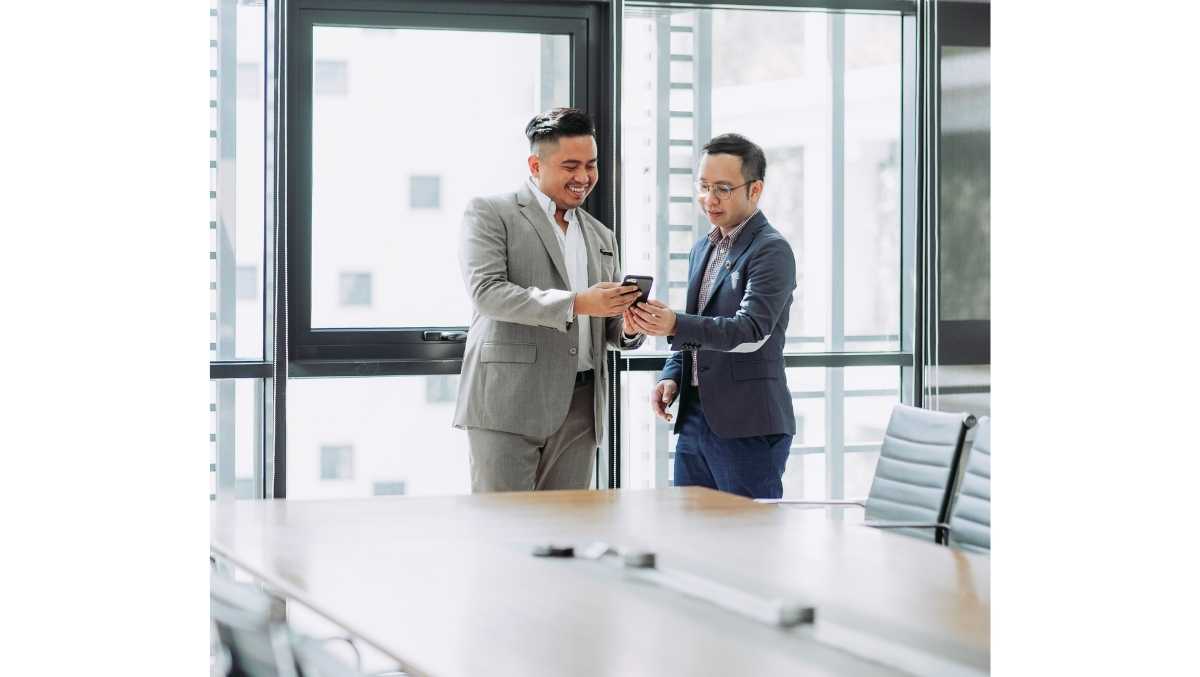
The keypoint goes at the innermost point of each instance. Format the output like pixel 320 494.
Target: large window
pixel 399 152
pixel 237 465
pixel 821 92
pixel 236 223
pixel 358 437
pixel 338 191
pixel 241 392
pixel 398 116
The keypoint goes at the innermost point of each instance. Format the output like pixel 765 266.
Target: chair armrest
pixel 348 640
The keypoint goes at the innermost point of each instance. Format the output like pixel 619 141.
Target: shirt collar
pixel 547 204
pixel 714 235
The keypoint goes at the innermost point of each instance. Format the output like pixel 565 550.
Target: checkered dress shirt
pixel 716 258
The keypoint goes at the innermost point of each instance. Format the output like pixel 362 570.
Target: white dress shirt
pixel 574 250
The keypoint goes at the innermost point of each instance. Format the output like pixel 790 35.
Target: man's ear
pixel 535 164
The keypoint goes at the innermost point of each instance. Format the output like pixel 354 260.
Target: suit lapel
pixel 739 248
pixel 533 212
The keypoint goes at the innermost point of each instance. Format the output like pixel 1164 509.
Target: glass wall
pixel 236 463
pixel 821 93
pixel 378 436
pixel 237 170
pixel 239 396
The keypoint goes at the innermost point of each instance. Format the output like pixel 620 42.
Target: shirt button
pixel 573 351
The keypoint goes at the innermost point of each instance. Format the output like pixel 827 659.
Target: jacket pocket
pixel 753 366
pixel 520 353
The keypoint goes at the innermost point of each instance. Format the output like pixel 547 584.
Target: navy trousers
pixel 747 466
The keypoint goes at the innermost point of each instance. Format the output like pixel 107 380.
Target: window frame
pixel 417 349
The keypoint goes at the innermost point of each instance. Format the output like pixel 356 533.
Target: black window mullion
pixel 239 369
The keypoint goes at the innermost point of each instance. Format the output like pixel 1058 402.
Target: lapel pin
pixel 728 265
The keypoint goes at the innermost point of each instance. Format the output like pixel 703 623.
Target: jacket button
pixel 573 351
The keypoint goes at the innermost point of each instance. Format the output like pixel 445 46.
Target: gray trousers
pixel 503 461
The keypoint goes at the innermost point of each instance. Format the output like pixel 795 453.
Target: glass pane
pixel 237 104
pixel 965 244
pixel 398 150
pixel 647 442
pixel 965 228
pixel 830 128
pixel 841 415
pixel 235 440
pixel 380 436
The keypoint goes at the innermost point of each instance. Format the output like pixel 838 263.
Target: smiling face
pixel 565 170
pixel 723 169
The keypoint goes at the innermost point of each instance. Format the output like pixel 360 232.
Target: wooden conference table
pixel 448 585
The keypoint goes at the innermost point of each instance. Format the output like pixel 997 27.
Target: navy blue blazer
pixel 740 334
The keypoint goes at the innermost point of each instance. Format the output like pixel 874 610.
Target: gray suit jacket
pixel 740 334
pixel 518 371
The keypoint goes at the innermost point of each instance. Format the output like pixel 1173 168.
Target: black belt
pixel 583 378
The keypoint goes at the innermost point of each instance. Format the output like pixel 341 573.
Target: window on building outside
pixel 354 289
pixel 337 462
pixel 425 192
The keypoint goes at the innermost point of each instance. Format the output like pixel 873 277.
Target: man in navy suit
pixel 735 422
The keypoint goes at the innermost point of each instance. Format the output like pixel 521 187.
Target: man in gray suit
pixel 736 421
pixel 543 276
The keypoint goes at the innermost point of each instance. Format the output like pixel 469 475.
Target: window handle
pixel 456 336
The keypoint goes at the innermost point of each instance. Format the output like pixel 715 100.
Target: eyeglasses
pixel 721 191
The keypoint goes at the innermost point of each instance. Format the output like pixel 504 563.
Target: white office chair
pixel 915 477
pixel 252 639
pixel 971 516
pixel 251 628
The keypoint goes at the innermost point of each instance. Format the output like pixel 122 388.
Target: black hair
pixel 754 163
pixel 556 123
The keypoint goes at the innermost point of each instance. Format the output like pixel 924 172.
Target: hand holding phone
pixel 643 282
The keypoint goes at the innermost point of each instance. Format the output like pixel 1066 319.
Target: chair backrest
pixel 251 628
pixel 918 463
pixel 971 517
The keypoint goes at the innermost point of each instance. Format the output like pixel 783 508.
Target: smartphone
pixel 643 282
